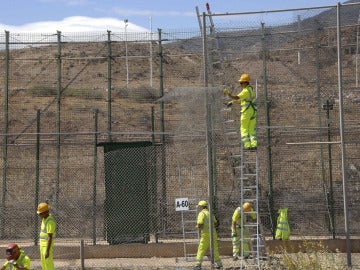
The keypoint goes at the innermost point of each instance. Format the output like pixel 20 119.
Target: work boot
pixel 197 267
pixel 235 258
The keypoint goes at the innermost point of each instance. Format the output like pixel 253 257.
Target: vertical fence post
pixel 268 135
pixel 96 115
pixel 162 130
pixel 109 116
pixel 319 106
pixel 37 176
pixel 82 259
pixel 208 136
pixel 58 122
pixel 5 139
pixel 343 152
pixel 330 194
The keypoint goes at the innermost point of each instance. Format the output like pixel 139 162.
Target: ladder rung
pixel 250 174
pixel 250 162
pixel 250 188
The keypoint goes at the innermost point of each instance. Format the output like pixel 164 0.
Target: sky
pixel 141 15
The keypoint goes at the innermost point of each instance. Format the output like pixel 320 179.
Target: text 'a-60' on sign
pixel 182 204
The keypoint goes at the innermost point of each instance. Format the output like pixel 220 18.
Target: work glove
pixel 230 103
pixel 226 91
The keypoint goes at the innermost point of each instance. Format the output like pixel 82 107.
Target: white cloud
pixel 138 12
pixel 76 24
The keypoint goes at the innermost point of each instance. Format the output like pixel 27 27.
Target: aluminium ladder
pixel 188 189
pixel 249 186
pixel 244 163
pixel 245 170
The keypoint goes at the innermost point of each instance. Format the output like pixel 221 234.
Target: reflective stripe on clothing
pixel 248 98
pixel 283 228
pixel 48 225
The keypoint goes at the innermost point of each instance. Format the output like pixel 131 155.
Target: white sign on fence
pixel 182 204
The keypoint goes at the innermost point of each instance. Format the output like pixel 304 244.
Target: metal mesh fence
pixel 111 128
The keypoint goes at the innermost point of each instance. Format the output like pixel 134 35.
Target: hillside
pixel 122 83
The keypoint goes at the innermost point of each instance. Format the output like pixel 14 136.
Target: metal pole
pixel 208 139
pixel 343 152
pixel 126 54
pixel 318 88
pixel 357 54
pixel 162 130
pixel 329 106
pixel 6 128
pixel 268 136
pixel 109 116
pixel 37 177
pixel 82 259
pixel 150 58
pixel 58 122
pixel 96 116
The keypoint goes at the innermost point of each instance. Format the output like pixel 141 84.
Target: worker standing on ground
pixel 247 100
pixel 283 228
pixel 16 259
pixel 236 230
pixel 47 235
pixel 203 224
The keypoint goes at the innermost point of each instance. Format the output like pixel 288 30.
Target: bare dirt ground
pixel 336 263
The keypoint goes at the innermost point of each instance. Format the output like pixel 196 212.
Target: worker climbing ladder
pixel 244 168
pixel 244 163
pixel 188 189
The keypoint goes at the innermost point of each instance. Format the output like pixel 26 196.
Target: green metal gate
pixel 130 187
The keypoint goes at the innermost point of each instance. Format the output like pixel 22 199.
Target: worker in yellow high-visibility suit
pixel 47 235
pixel 203 224
pixel 247 100
pixel 16 259
pixel 236 230
pixel 283 228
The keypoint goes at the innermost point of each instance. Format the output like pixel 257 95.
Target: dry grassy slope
pixel 33 75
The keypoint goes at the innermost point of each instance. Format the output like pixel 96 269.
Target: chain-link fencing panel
pixel 69 98
pixel 294 65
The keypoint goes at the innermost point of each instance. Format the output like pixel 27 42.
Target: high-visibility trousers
pixel 247 128
pixel 47 263
pixel 204 246
pixel 236 243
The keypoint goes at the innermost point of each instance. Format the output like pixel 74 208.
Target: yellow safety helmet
pixel 202 203
pixel 43 207
pixel 247 207
pixel 244 78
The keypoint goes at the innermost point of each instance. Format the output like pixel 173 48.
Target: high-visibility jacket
pixel 203 218
pixel 283 228
pixel 248 98
pixel 23 260
pixel 237 216
pixel 48 225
